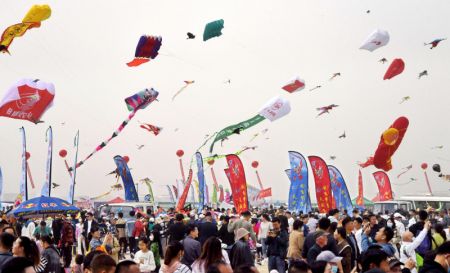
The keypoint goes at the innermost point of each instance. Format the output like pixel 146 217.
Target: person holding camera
pixel 277 243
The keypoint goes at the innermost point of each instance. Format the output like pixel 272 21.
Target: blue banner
pixel 340 191
pixel 308 198
pixel 298 192
pixel 128 184
pixel 201 181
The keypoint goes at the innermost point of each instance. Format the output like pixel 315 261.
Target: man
pixel 225 236
pixel 398 218
pixel 321 240
pixel 358 224
pixel 356 213
pixel 382 238
pixel 42 230
pixel 277 243
pixel 348 225
pixel 129 228
pixel 441 262
pixel 207 229
pixel 88 225
pixel 310 240
pixel 6 243
pixel 416 228
pixel 120 227
pixel 233 225
pixel 177 230
pixel 412 218
pixel 290 220
pixel 87 262
pixel 305 219
pixel 18 265
pixel 408 245
pixel 66 242
pixel 299 267
pixel 374 227
pixel 333 215
pixel 375 259
pixel 138 231
pixel 192 247
pixel 50 254
pixel 103 263
pixel 127 266
pixel 312 223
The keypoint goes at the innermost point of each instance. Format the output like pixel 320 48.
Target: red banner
pixel 221 196
pixel 216 185
pixel 236 175
pixel 360 198
pixel 184 195
pixel 265 193
pixel 384 186
pixel 323 184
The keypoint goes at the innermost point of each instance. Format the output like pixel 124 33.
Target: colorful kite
pixel 146 49
pixel 405 170
pixel 389 142
pixel 134 103
pixel 32 19
pixel 326 109
pixel 151 128
pixel 213 29
pixel 294 85
pixel 27 99
pixel 376 39
pixel 187 83
pixel 397 66
pixel 434 43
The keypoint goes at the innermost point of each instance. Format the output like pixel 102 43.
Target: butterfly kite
pixel 146 49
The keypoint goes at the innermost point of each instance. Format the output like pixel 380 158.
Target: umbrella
pixel 44 205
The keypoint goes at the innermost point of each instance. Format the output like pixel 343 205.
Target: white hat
pixel 328 257
pixel 152 219
pixel 241 232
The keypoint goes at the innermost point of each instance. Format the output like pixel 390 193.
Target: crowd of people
pixel 213 241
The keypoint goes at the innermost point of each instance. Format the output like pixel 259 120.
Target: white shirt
pixel 148 260
pixel 264 228
pixel 89 226
pixel 197 266
pixel 291 224
pixel 400 227
pixel 312 224
pixel 408 249
pixel 358 237
pixel 411 221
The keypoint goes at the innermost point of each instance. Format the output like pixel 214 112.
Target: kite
pixel 294 85
pixel 187 83
pixel 404 99
pixel 343 135
pixel 405 170
pixel 140 146
pixel 146 49
pixel 397 66
pixel 151 128
pixel 316 87
pixel 28 100
pixel 32 19
pixel 213 29
pixel 190 36
pixel 274 109
pixel 383 60
pixel 369 162
pixel 54 185
pixel 227 81
pixel 437 147
pixel 326 109
pixel 376 39
pixel 423 73
pixel 338 74
pixel 434 43
pixel 390 140
pixel 134 103
pixel 332 157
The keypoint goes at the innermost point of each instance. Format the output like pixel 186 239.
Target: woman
pixel 212 253
pixel 439 236
pixel 154 247
pixel 113 245
pixel 172 257
pixel 24 247
pixel 240 253
pixel 344 249
pixel 264 228
pixel 296 241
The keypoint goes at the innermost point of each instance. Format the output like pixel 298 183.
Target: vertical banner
pixel 201 181
pixel 227 196
pixel 196 187
pixel 322 181
pixel 206 195
pixel 48 172
pixel 238 183
pixel 72 182
pixel 23 193
pixel 298 191
pixel 148 182
pixel 384 186
pixel 175 193
pixel 221 196
pixel 183 197
pixel 360 198
pixel 340 190
pixel 127 179
pixel 192 194
pixel 214 196
pixel 172 198
pixel 1 187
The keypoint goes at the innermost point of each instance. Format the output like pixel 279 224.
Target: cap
pixel 394 262
pixel 328 257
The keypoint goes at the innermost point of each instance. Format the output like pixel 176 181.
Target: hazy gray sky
pixel 84 46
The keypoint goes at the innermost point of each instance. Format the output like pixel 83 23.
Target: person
pixel 77 267
pixel 219 267
pixel 439 236
pixel 299 267
pixel 212 252
pixel 240 253
pixel 290 221
pixel 6 243
pixel 225 236
pixel 374 258
pixel 10 230
pixel 81 241
pixel 18 265
pixel 66 242
pixel 321 267
pixel 348 225
pixel 172 258
pixel 235 225
pixel 112 244
pixel 24 247
pixel 42 230
pixel 127 266
pixel 333 215
pixel 103 263
pixel 120 227
pixel 51 254
pixel 312 223
pixel 296 241
pixel 154 248
pixel 87 261
pixel 207 229
pixel 310 240
pixel 144 257
pixel 28 228
pixel 408 245
pixel 277 244
pixel 412 218
pixel 246 269
pixel 441 262
pixel 177 230
pixel 87 227
pixel 382 238
pixel 395 266
pixel 95 239
pixel 398 218
pixel 416 228
pixel 321 240
pixel 358 230
pixel 344 249
pixel 374 226
pixel 192 247
pixel 139 227
pixel 264 228
pixel 334 262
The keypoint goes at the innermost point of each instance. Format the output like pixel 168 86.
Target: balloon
pixel 437 168
pixel 126 158
pixel 424 166
pixel 27 155
pixel 180 153
pixel 211 162
pixel 255 164
pixel 62 153
pixel 390 136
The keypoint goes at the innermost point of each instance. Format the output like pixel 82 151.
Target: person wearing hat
pixel 396 266
pixel 321 239
pixel 398 218
pixel 240 253
pixel 233 225
pixel 334 261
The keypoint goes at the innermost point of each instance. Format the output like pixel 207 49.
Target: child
pixel 78 266
pixel 144 257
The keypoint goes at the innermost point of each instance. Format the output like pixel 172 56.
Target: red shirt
pixel 138 228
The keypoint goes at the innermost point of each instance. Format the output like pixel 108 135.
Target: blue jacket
pixel 366 243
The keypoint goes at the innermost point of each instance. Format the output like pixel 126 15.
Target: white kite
pixel 376 39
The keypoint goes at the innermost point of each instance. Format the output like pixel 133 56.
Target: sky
pixel 84 46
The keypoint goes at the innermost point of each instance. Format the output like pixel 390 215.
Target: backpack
pixel 425 246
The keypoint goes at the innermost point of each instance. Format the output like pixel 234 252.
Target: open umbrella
pixel 44 205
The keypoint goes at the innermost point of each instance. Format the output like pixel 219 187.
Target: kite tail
pixel 179 91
